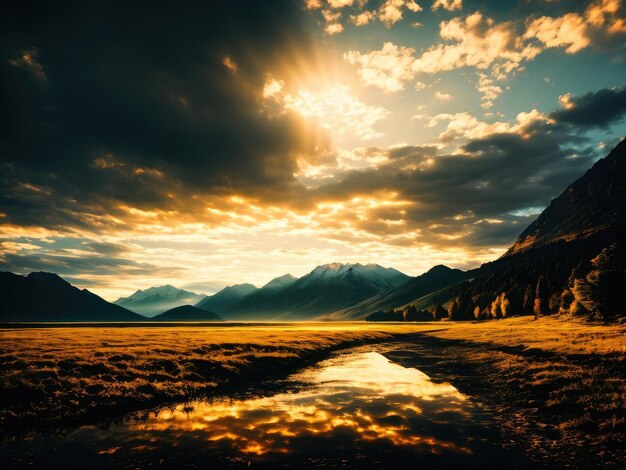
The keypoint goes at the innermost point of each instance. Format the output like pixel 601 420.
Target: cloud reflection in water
pixel 356 410
pixel 360 401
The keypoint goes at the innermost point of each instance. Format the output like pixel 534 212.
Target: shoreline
pixel 560 410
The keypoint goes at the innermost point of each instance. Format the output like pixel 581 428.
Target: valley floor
pixel 557 388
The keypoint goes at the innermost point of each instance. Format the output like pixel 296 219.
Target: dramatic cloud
pixel 499 49
pixel 488 90
pixel 389 12
pixel 147 115
pixel 567 31
pixel 442 96
pixel 467 126
pixel 603 24
pixel 236 141
pixel 332 107
pixel 599 108
pixel 473 41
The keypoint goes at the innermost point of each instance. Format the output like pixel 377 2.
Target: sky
pixel 216 143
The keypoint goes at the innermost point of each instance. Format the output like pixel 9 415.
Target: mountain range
pixel 155 300
pixel 571 260
pixel 46 297
pixel 436 278
pixel 324 290
pixel 227 299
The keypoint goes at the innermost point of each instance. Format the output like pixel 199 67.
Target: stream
pixel 357 409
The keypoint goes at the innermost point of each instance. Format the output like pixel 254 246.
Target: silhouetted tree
pixel 567 298
pixel 494 309
pixel 453 310
pixel 477 312
pixel 540 304
pixel 554 302
pixel 439 312
pixel 514 303
pixel 409 313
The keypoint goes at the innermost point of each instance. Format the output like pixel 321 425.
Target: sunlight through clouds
pixel 332 107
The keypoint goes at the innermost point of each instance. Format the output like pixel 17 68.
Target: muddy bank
pixel 565 410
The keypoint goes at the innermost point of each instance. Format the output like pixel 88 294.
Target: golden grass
pixel 547 334
pixel 556 386
pixel 53 375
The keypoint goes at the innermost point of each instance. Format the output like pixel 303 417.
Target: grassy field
pixel 66 375
pixel 558 388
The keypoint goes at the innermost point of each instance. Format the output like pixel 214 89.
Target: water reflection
pixel 356 410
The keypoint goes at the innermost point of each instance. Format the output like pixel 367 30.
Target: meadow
pixel 59 376
pixel 557 388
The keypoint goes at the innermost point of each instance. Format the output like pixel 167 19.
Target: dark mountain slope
pixel 571 260
pixel 224 301
pixel 187 313
pixel 264 298
pixel 593 205
pixel 47 297
pixel 436 278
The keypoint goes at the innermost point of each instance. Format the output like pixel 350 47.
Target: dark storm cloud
pixel 72 264
pixel 115 101
pixel 596 109
pixel 471 197
pixel 108 249
pixel 496 174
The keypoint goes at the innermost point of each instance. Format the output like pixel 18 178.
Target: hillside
pixel 46 297
pixel 436 278
pixel 264 298
pixel 571 260
pixel 187 313
pixel 224 301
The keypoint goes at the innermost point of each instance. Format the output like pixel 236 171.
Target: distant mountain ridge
pixel 225 300
pixel 155 300
pixel 436 278
pixel 325 289
pixel 44 296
